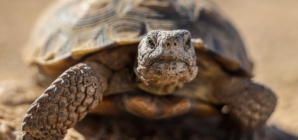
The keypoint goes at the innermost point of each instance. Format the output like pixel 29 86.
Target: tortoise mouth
pixel 151 106
pixel 171 68
pixel 168 60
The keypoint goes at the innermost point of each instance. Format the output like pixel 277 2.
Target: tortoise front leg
pixel 249 105
pixel 65 102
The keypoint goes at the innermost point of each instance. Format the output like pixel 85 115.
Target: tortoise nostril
pixel 175 44
pixel 168 44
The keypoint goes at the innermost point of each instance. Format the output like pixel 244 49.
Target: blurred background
pixel 269 30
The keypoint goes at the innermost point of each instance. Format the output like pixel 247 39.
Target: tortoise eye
pixel 188 43
pixel 150 43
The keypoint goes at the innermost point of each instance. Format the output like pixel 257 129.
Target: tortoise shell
pixel 73 29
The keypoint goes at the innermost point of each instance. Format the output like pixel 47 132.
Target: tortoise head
pixel 166 59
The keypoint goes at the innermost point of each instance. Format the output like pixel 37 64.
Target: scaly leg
pixel 249 105
pixel 65 102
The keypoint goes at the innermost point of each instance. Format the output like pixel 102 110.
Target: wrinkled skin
pixel 166 59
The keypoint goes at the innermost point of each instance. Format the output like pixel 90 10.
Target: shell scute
pixel 79 28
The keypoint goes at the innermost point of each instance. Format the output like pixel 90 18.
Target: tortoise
pixel 147 58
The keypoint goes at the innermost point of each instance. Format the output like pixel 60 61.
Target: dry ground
pixel 269 29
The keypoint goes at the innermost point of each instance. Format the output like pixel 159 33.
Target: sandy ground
pixel 269 29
